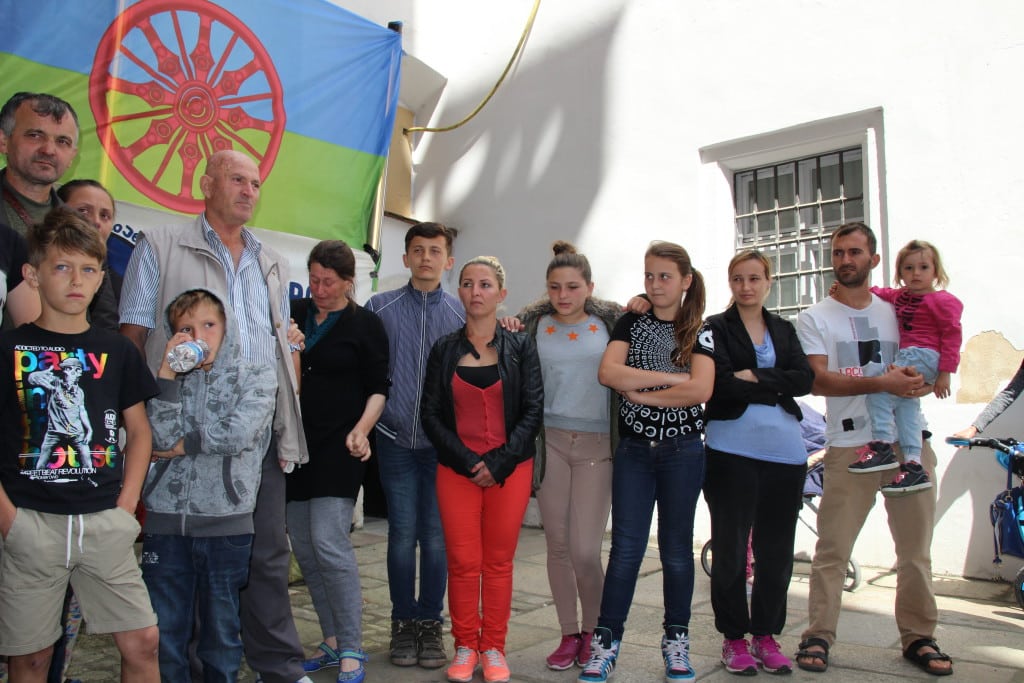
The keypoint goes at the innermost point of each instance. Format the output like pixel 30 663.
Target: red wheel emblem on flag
pixel 175 81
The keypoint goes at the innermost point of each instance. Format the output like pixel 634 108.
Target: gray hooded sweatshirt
pixel 224 416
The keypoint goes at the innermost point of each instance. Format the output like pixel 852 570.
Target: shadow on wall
pixel 987 362
pixel 533 158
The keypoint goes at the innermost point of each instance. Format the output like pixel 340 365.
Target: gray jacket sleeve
pixel 1003 400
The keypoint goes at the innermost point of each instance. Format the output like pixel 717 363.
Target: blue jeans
pixel 898 420
pixel 409 479
pixel 671 473
pixel 185 572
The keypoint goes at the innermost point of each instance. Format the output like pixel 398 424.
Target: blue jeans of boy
pixel 409 479
pixel 670 473
pixel 899 420
pixel 184 573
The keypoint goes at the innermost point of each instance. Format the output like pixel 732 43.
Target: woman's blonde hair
pixel 491 262
pixel 749 255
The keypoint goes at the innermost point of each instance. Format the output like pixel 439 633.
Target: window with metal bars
pixel 788 211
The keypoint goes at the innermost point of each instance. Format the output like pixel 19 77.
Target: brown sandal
pixel 924 659
pixel 820 659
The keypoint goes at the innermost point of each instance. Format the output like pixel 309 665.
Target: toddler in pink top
pixel 930 337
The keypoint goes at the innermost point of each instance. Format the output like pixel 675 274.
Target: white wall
pixel 595 138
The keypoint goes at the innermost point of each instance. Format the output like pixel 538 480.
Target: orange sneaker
pixel 463 665
pixel 495 667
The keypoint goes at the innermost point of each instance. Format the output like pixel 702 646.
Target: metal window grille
pixel 788 211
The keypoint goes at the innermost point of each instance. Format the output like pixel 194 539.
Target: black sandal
pixel 820 663
pixel 924 659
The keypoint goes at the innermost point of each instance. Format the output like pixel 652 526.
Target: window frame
pixel 863 130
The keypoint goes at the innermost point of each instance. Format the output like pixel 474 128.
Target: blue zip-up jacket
pixel 414 320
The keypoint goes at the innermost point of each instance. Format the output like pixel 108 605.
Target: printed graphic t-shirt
pixel 858 343
pixel 61 397
pixel 651 346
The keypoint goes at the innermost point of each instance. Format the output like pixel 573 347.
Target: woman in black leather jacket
pixel 483 399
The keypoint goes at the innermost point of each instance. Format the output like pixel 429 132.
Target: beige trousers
pixel 845 504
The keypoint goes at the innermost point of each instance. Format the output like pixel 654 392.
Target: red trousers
pixel 481 532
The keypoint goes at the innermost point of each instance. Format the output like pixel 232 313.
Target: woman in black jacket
pixel 756 465
pixel 483 398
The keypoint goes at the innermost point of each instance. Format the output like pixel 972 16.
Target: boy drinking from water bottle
pixel 211 427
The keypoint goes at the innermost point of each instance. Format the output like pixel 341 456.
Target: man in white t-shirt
pixel 851 339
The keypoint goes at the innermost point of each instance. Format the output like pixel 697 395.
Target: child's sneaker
pixel 675 648
pixel 584 652
pixel 910 479
pixel 875 456
pixel 404 648
pixel 603 653
pixel 463 665
pixel 736 657
pixel 430 652
pixel 495 667
pixel 565 654
pixel 766 651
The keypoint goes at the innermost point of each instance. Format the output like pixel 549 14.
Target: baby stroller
pixel 1007 510
pixel 812 489
pixel 812 429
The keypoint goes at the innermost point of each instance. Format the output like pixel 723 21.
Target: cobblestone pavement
pixel 980 626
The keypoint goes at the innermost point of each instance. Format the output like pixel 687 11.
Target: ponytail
pixel 689 319
pixel 690 316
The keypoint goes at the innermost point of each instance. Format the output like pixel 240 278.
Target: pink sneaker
pixel 766 651
pixel 565 654
pixel 463 665
pixel 736 657
pixel 495 666
pixel 583 655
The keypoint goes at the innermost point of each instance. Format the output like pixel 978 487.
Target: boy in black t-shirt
pixel 67 490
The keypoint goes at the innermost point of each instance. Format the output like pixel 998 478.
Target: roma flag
pixel 308 89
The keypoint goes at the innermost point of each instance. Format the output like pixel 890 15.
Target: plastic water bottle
pixel 187 355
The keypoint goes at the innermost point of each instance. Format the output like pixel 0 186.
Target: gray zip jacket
pixel 224 416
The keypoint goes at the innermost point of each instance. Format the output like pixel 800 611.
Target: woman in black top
pixel 344 385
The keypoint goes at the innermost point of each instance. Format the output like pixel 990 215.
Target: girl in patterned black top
pixel 661 364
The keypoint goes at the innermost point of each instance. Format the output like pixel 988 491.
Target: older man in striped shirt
pixel 216 250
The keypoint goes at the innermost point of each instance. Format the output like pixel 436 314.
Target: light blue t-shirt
pixel 761 432
pixel 569 358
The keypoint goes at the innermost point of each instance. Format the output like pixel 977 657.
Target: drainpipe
pixel 373 233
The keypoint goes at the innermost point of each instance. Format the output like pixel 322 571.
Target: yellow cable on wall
pixel 508 67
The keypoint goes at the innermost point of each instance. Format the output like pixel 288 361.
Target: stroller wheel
pixel 853 576
pixel 1018 588
pixel 705 557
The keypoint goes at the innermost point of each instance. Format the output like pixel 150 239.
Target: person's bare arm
pixel 697 389
pixel 615 374
pixel 138 447
pixel 137 334
pixel 7 512
pixel 899 381
pixel 357 441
